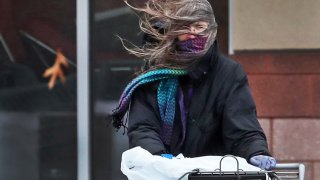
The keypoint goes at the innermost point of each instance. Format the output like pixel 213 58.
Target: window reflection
pixel 113 68
pixel 37 123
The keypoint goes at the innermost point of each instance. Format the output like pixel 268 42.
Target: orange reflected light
pixel 56 70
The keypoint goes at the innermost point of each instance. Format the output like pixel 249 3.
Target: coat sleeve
pixel 243 135
pixel 144 123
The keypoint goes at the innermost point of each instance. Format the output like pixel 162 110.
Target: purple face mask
pixel 192 46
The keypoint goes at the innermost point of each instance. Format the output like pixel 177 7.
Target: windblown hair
pixel 163 21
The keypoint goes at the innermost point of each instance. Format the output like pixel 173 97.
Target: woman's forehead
pixel 200 23
pixel 197 23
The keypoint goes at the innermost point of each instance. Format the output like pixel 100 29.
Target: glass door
pixel 112 68
pixel 38 109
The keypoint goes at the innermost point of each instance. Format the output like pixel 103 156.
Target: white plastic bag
pixel 139 164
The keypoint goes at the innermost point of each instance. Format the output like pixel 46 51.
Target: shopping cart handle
pixel 298 166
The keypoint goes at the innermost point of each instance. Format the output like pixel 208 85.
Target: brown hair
pixel 164 20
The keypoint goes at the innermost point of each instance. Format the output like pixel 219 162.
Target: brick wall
pixel 286 88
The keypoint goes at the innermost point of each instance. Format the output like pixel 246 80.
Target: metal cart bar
pixel 282 171
pixel 290 170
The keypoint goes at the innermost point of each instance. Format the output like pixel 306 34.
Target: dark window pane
pixel 37 122
pixel 113 68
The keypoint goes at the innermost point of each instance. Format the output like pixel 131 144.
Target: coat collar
pixel 205 63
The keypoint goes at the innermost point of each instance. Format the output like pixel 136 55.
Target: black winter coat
pixel 221 116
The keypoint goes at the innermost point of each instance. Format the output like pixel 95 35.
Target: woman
pixel 189 98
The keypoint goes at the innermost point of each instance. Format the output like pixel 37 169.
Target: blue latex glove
pixel 263 162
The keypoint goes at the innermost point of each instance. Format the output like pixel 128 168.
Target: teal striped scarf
pixel 166 97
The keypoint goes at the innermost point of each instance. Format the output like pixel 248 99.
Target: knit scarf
pixel 192 46
pixel 166 97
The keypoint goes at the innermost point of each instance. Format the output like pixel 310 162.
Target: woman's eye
pixel 201 28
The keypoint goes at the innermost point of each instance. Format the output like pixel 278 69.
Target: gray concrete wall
pixel 276 24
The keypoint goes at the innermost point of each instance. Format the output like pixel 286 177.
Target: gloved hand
pixel 263 162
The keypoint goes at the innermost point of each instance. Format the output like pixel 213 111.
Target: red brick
pixel 309 171
pixel 315 93
pixel 265 124
pixel 286 95
pixel 296 139
pixel 316 172
pixel 280 62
